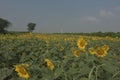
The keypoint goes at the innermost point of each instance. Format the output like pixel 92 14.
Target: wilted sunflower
pixel 49 64
pixel 92 50
pixel 22 71
pixel 81 43
pixel 100 52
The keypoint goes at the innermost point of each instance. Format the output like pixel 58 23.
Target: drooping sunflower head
pixel 22 71
pixel 49 64
pixel 81 43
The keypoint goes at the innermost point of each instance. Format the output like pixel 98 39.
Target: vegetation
pixel 59 57
pixel 31 27
pixel 100 34
pixel 4 24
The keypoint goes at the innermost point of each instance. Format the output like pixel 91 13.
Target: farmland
pixel 59 57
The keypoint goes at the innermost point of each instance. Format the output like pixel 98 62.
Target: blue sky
pixel 62 15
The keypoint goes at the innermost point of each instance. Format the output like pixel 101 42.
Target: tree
pixel 4 24
pixel 31 27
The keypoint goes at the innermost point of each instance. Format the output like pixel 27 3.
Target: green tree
pixel 31 27
pixel 4 24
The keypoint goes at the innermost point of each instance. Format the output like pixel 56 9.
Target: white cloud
pixel 90 19
pixel 103 20
pixel 104 13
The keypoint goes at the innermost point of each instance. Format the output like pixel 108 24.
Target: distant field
pixel 76 56
pixel 99 34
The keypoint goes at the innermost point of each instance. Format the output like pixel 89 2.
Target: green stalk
pixel 115 74
pixel 64 73
pixel 96 72
pixel 86 55
pixel 89 77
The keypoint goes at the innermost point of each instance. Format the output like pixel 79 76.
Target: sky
pixel 54 16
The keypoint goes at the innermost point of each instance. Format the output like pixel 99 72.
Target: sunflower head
pixel 22 71
pixel 105 47
pixel 81 43
pixel 49 64
pixel 91 50
pixel 76 53
pixel 100 52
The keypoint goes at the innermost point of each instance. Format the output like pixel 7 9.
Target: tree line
pixel 4 24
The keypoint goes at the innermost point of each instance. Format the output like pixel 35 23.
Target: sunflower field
pixel 59 57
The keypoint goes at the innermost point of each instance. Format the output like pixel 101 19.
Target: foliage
pixel 3 25
pixel 99 34
pixel 31 27
pixel 58 57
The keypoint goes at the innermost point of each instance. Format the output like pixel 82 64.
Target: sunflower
pixel 49 64
pixel 76 53
pixel 100 52
pixel 105 47
pixel 22 71
pixel 81 43
pixel 91 50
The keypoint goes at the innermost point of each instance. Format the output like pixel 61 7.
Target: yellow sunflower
pixel 49 64
pixel 76 53
pixel 100 52
pixel 81 43
pixel 105 47
pixel 92 50
pixel 22 71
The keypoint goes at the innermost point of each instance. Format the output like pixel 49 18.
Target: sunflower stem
pixel 64 73
pixel 97 67
pixel 96 72
pixel 86 55
pixel 115 74
pixel 89 77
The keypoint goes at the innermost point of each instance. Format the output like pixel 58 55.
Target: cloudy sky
pixel 62 15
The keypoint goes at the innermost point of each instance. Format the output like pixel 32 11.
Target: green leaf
pixel 5 72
